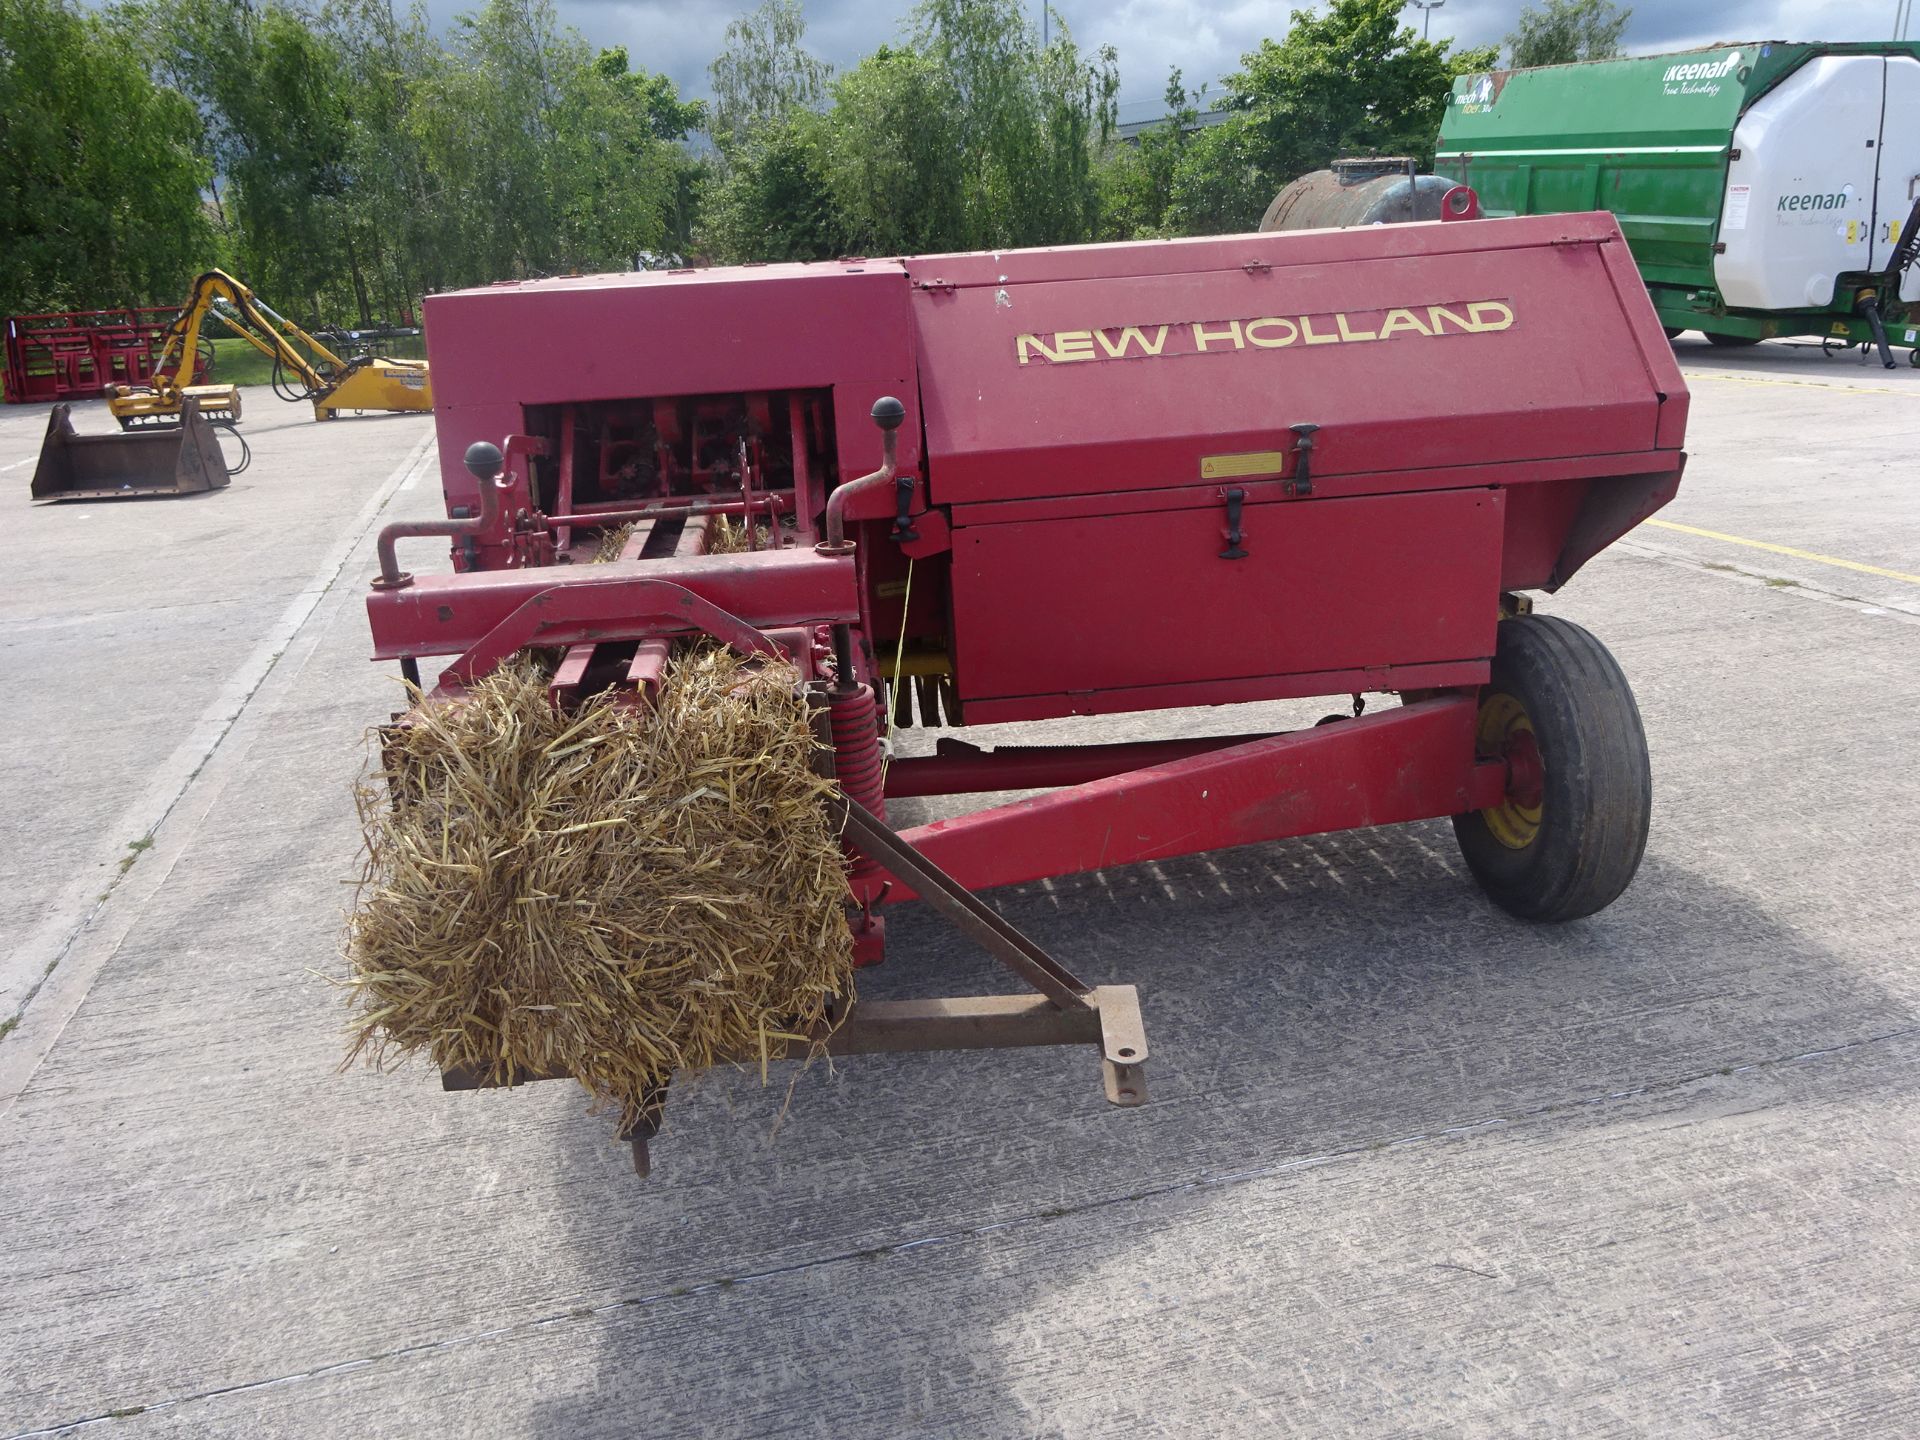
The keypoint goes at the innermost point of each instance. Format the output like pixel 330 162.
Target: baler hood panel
pixel 1432 347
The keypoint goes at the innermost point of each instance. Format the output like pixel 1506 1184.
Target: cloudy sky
pixel 1204 39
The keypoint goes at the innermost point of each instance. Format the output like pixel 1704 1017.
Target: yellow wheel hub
pixel 1505 731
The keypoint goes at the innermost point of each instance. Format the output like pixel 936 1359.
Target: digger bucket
pixel 131 466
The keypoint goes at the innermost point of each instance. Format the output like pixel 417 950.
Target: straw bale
pixel 614 894
pixel 612 542
pixel 729 536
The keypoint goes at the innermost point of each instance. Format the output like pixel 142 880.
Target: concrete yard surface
pixel 1410 1167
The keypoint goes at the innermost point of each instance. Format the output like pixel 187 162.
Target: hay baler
pixel 1106 479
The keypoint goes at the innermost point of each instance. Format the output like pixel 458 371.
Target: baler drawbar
pixel 1110 479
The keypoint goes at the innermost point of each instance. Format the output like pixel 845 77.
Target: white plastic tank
pixel 1827 169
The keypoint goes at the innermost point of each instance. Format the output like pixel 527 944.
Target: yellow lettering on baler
pixel 1228 331
pixel 1290 332
pixel 1398 320
pixel 1073 345
pixel 1266 332
pixel 1132 335
pixel 1480 309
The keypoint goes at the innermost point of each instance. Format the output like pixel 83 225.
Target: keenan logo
pixel 1702 70
pixel 1839 200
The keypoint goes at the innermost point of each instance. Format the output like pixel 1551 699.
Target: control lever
pixel 903 504
pixel 1235 498
pixel 1301 485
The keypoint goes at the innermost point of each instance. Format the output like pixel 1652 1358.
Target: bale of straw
pixel 613 894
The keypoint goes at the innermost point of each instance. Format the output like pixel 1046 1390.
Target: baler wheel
pixel 1731 342
pixel 1570 834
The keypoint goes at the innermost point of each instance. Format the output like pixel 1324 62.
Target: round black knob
pixel 483 460
pixel 888 413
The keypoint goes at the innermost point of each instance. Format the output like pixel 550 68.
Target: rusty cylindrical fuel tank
pixel 1380 191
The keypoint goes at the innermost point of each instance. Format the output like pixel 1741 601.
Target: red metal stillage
pixel 75 354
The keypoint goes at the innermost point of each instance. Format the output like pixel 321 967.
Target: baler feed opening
pixel 134 465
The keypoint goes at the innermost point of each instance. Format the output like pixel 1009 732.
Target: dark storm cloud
pixel 1205 40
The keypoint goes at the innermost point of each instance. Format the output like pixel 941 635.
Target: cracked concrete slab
pixel 1410 1167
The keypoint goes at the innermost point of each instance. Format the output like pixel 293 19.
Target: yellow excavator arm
pixel 313 371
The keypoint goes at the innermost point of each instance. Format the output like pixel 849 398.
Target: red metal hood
pixel 1413 347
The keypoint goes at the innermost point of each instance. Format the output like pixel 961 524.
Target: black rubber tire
pixel 1732 342
pixel 1672 332
pixel 1597 793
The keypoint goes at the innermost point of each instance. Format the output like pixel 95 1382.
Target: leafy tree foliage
pixel 1560 32
pixel 1025 121
pixel 1351 81
pixel 346 159
pixel 970 134
pixel 360 162
pixel 764 73
pixel 1224 181
pixel 275 106
pixel 892 155
pixel 773 200
pixel 100 178
pixel 1137 180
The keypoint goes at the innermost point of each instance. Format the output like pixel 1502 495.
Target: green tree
pixel 772 200
pixel 765 72
pixel 1351 81
pixel 271 90
pixel 100 177
pixel 358 162
pixel 672 121
pixel 1560 32
pixel 540 156
pixel 1223 182
pixel 893 158
pixel 388 222
pixel 971 134
pixel 1027 120
pixel 1137 179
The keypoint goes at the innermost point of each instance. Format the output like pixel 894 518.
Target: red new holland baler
pixel 1105 479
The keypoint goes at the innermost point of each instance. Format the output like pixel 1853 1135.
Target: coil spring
pixel 854 720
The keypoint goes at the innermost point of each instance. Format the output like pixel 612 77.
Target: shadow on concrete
pixel 1802 359
pixel 1310 998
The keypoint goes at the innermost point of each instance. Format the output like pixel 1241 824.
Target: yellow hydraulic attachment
pixel 303 368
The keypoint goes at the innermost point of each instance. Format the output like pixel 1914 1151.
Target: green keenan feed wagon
pixel 1765 188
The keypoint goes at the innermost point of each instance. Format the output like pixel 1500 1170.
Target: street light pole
pixel 1426 9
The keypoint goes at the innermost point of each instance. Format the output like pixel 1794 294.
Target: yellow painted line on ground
pixel 1786 550
pixel 1802 384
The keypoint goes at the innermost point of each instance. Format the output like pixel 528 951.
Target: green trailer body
pixel 1831 142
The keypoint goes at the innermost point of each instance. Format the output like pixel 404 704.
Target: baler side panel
pixel 1656 354
pixel 1326 586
